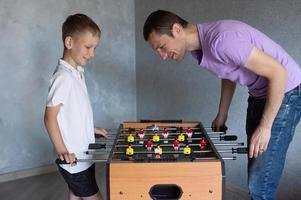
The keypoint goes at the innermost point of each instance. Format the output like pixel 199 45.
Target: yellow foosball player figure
pixel 187 150
pixel 129 151
pixel 156 138
pixel 181 137
pixel 130 138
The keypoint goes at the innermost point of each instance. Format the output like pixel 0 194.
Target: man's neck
pixel 192 38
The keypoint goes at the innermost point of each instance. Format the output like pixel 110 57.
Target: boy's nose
pixel 92 53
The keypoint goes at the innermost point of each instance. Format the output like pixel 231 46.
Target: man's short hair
pixel 79 23
pixel 161 22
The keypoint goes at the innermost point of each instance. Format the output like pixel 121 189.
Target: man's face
pixel 167 46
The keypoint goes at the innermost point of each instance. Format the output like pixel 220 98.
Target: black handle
pixel 229 138
pixel 241 150
pixel 222 129
pixel 97 146
pixel 61 162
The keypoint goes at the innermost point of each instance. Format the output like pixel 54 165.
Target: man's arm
pixel 50 120
pixel 227 91
pixel 266 66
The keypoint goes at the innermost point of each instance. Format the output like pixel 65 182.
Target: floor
pixel 52 187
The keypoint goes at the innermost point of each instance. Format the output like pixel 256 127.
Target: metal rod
pixel 229 144
pixel 161 145
pixel 206 158
pixel 229 158
pixel 164 152
pixel 215 132
pixel 60 162
pixel 161 139
pixel 93 152
pixel 160 129
pixel 184 133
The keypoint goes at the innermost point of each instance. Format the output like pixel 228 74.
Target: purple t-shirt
pixel 226 46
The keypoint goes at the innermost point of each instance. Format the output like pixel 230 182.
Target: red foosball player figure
pixel 156 138
pixel 130 138
pixel 181 137
pixel 158 151
pixel 176 145
pixel 149 145
pixel 141 133
pixel 203 144
pixel 129 151
pixel 187 150
pixel 189 132
pixel 165 133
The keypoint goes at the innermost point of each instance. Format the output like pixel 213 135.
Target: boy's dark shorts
pixel 82 184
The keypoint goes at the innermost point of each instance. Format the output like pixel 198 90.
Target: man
pixel 238 53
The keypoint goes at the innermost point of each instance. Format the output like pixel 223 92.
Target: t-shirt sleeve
pixel 233 48
pixel 59 90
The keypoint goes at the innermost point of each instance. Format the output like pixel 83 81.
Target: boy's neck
pixel 67 58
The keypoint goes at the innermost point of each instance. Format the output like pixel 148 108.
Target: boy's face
pixel 81 48
pixel 167 46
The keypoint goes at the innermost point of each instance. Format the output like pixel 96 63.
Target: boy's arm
pixel 50 120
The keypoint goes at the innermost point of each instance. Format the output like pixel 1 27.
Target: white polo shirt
pixel 75 118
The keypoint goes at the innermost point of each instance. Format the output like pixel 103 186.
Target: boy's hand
pixel 101 131
pixel 69 158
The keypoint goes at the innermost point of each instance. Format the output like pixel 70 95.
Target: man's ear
pixel 176 29
pixel 68 42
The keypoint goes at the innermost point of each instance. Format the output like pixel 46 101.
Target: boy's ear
pixel 68 42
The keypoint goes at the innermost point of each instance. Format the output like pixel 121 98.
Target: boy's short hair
pixel 79 23
pixel 161 22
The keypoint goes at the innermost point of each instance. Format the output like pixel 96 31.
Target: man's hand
pixel 101 131
pixel 259 141
pixel 218 124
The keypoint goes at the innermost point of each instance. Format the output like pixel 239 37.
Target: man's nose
pixel 163 55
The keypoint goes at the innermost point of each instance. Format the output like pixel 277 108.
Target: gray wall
pixel 171 90
pixel 30 48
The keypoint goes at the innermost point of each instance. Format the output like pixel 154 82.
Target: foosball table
pixel 165 160
pixel 168 159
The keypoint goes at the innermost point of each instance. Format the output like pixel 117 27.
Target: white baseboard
pixel 27 173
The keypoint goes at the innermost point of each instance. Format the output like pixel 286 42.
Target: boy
pixel 68 115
